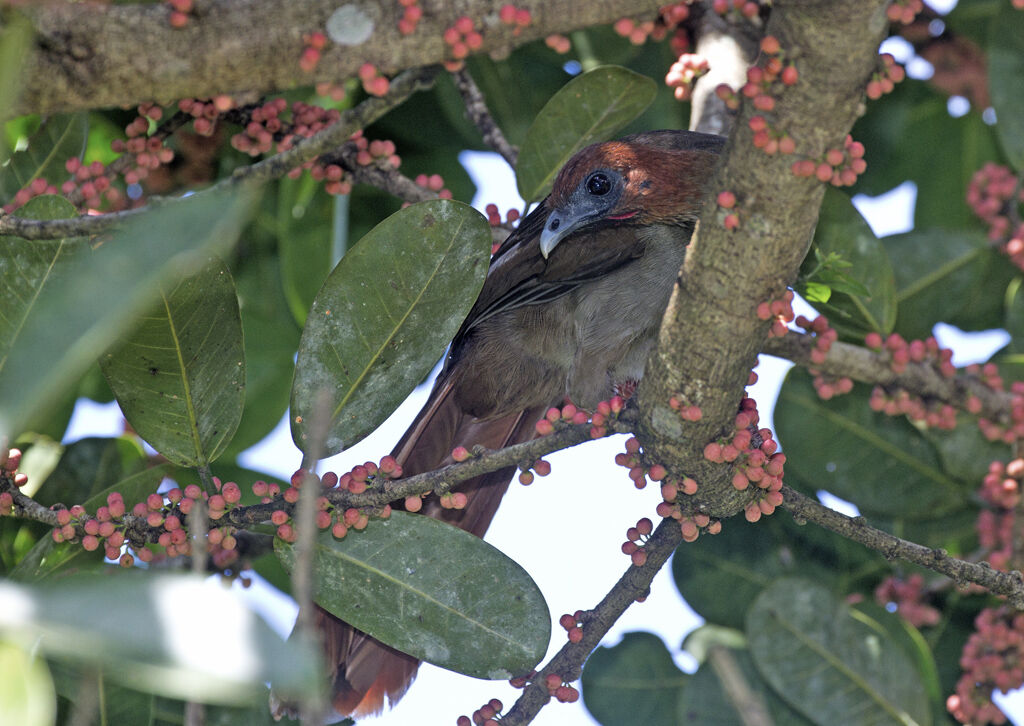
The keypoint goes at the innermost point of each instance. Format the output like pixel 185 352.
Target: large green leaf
pixel 588 109
pixel 179 376
pixel 842 232
pixel 384 317
pixel 1005 71
pixel 26 691
pixel 100 294
pixel 472 610
pixel 58 139
pixel 880 463
pixel 706 702
pixel 303 221
pixel 947 276
pixel 745 558
pixel 132 626
pixel 829 664
pixel 90 465
pixel 635 681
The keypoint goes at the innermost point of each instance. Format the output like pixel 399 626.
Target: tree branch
pixel 89 55
pixel 480 115
pixel 1010 584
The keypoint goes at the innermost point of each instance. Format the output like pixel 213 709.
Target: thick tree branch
pixel 90 55
pixel 711 335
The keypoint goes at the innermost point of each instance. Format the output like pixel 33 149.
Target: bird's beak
pixel 555 228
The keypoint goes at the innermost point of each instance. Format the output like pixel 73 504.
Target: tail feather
pixel 366 673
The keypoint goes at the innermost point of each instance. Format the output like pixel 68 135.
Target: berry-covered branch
pixel 1009 584
pixel 301 152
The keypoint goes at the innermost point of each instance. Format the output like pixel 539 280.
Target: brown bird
pixel 570 309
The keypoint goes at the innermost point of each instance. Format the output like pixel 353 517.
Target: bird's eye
pixel 598 184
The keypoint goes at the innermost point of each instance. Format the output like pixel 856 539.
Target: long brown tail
pixel 366 672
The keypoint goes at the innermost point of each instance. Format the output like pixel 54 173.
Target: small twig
pixel 1009 584
pixel 568 662
pixel 480 115
pixel 403 86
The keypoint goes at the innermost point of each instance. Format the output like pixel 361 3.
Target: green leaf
pixel 473 611
pixel 842 234
pixel 89 466
pixel 948 276
pixel 1005 71
pixel 587 109
pixel 880 463
pixel 224 655
pixel 179 377
pixel 748 557
pixel 635 681
pixel 101 292
pixel 271 339
pixel 705 701
pixel 27 696
pixel 831 666
pixel 384 317
pixel 15 41
pixel 303 230
pixel 58 139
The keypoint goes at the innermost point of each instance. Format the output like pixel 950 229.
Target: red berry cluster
pixel 727 201
pixel 684 73
pixel 560 689
pixel 992 660
pixel 747 8
pixel 686 411
pixel 904 11
pixel 901 353
pixel 494 216
pixel 435 183
pixel 541 467
pixel 339 521
pixel 573 624
pixel 410 16
pixel 885 79
pixel 379 152
pixel 11 460
pixel 374 82
pixel 633 459
pixel 518 18
pixel 486 715
pixel 1001 490
pixel 995 195
pixel 779 311
pixel 572 415
pixel 310 57
pixel 908 597
pixel 838 167
pixel 333 91
pixel 754 461
pixel 669 20
pixel 265 121
pixel 180 11
pixel 827 387
pixel 35 188
pixel 558 43
pixel 205 112
pixel 461 38
pixel 899 401
pixel 637 534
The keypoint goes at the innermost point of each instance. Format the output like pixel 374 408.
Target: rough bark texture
pixel 94 56
pixel 711 334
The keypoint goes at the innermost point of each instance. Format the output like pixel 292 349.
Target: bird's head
pixel 624 182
